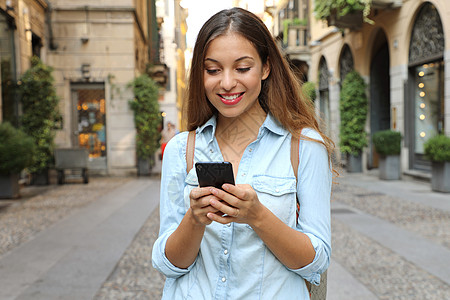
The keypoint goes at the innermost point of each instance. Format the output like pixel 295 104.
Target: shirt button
pixel 243 174
pixel 211 150
pixel 224 279
pixel 277 190
pixel 225 252
pixel 229 224
pixel 250 150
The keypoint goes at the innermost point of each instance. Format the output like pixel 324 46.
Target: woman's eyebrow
pixel 239 59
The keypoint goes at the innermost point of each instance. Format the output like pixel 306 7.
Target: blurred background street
pixel 390 240
pixel 72 76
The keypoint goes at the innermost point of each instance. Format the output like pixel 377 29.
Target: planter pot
pixel 352 20
pixel 389 167
pixel 144 167
pixel 9 186
pixel 440 177
pixel 354 163
pixel 40 178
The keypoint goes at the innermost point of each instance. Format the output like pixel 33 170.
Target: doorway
pixel 89 123
pixel 380 97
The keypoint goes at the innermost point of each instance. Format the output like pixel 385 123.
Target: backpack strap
pixel 190 147
pixel 294 161
pixel 294 154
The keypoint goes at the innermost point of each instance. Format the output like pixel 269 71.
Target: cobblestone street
pixel 374 254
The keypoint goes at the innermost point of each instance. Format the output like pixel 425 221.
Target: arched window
pixel 345 62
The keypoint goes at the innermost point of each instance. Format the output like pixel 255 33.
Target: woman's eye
pixel 243 70
pixel 212 71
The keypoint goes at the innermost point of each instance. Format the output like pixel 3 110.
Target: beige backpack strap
pixel 190 147
pixel 294 154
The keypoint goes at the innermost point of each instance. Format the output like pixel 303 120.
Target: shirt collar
pixel 270 123
pixel 273 125
pixel 209 128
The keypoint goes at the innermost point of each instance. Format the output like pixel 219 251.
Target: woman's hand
pixel 200 199
pixel 240 204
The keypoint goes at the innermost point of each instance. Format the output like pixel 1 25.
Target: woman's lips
pixel 231 99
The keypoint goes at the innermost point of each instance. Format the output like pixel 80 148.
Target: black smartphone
pixel 214 173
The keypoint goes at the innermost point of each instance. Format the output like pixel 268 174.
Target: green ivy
pixel 309 89
pixel 16 149
pixel 387 142
pixel 147 117
pixel 353 109
pixel 437 148
pixel 40 112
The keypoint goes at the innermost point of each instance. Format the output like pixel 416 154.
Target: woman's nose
pixel 228 81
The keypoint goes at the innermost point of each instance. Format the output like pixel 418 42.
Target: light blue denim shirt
pixel 233 262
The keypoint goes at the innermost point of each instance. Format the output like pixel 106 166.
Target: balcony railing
pixel 297 38
pixel 386 4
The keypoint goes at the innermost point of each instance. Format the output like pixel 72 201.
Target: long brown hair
pixel 280 94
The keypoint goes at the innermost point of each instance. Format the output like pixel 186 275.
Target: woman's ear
pixel 266 70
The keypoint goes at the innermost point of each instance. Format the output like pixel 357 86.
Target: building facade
pixel 402 50
pixel 173 33
pixel 96 49
pixel 22 34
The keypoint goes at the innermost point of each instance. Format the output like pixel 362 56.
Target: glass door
pixel 89 123
pixel 428 106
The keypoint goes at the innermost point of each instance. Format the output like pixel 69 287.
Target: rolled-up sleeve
pixel 314 192
pixel 172 208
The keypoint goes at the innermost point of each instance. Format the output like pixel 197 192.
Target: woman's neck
pixel 235 134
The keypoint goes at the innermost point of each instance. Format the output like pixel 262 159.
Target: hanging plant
pixel 323 9
pixel 40 112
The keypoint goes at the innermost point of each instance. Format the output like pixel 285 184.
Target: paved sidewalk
pixel 72 259
pixel 390 238
pixel 390 241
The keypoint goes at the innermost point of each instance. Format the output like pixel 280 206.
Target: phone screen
pixel 214 173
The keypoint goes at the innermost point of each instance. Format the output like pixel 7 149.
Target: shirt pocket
pixel 191 182
pixel 278 194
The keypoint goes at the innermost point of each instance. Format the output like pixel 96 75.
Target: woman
pixel 245 241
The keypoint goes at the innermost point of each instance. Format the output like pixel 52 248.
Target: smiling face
pixel 233 74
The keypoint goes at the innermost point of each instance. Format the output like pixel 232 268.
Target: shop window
pixel 425 98
pixel 36 44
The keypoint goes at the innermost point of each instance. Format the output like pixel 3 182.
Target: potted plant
pixel 388 145
pixel 40 116
pixel 353 109
pixel 16 153
pixel 343 13
pixel 437 149
pixel 147 119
